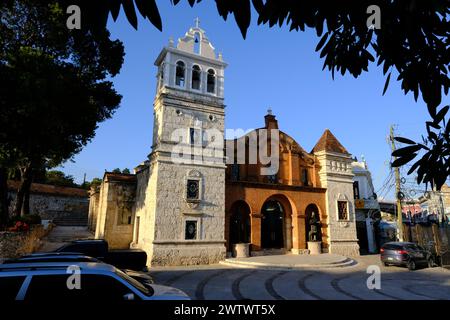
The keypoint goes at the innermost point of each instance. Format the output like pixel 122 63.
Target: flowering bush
pixel 20 227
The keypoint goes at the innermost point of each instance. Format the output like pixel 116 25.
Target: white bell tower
pixel 181 196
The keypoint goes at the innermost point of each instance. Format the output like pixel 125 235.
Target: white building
pixel 180 205
pixel 367 208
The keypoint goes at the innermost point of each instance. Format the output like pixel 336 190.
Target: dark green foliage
pixel 118 170
pixel 96 182
pixel 59 178
pixel 53 87
pixel 434 166
pixel 413 38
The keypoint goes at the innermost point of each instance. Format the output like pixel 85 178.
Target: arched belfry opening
pixel 196 77
pixel 211 81
pixel 197 43
pixel 180 74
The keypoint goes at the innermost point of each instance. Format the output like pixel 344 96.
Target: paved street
pixel 63 234
pixel 225 282
pixel 320 281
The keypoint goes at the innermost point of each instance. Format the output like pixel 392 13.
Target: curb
pixel 345 263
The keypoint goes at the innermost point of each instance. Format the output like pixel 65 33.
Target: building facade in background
pixel 367 208
pixel 62 205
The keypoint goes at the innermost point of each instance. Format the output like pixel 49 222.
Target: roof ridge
pixel 328 142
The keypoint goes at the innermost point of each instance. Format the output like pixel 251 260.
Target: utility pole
pixel 397 190
pixel 443 216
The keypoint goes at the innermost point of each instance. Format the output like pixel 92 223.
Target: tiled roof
pixel 123 177
pixel 328 142
pixel 50 189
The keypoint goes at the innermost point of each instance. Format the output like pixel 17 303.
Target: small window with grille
pixel 190 230
pixel 192 190
pixel 342 210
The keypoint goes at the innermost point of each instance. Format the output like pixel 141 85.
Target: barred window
pixel 192 190
pixel 342 210
pixel 191 230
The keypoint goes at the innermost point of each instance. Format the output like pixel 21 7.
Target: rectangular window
pixel 192 192
pixel 342 210
pixel 356 189
pixel 191 230
pixel 234 172
pixel 305 177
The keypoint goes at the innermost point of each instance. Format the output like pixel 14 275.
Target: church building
pixel 186 204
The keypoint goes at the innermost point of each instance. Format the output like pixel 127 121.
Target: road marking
pixel 269 285
pixel 199 294
pixel 235 286
pixel 335 285
pixel 304 288
pixel 177 277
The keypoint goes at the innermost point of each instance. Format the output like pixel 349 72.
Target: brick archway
pixel 286 216
pixel 239 222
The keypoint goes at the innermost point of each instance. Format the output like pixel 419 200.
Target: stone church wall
pixel 336 176
pixel 169 245
pixel 115 210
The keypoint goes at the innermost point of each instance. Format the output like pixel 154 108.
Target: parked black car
pixel 406 254
pixel 52 257
pixel 48 282
pixel 75 257
pixel 133 259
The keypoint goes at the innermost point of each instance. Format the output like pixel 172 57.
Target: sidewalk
pixel 61 235
pixel 292 261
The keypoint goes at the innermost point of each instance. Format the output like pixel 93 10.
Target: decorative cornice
pixel 262 185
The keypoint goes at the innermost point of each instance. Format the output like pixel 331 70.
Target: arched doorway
pixel 310 209
pixel 272 225
pixel 239 223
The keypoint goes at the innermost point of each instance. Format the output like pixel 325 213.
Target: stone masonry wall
pixel 112 209
pixel 50 207
pixel 336 175
pixel 16 244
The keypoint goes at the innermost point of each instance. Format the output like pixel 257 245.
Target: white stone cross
pixel 197 22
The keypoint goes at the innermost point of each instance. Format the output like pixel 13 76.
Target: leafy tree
pixel 118 170
pixel 434 166
pixel 53 87
pixel 96 182
pixel 412 42
pixel 59 178
pixel 93 184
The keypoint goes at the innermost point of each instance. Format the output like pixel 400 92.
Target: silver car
pixel 49 281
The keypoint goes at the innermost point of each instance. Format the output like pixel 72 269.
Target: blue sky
pixel 271 68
